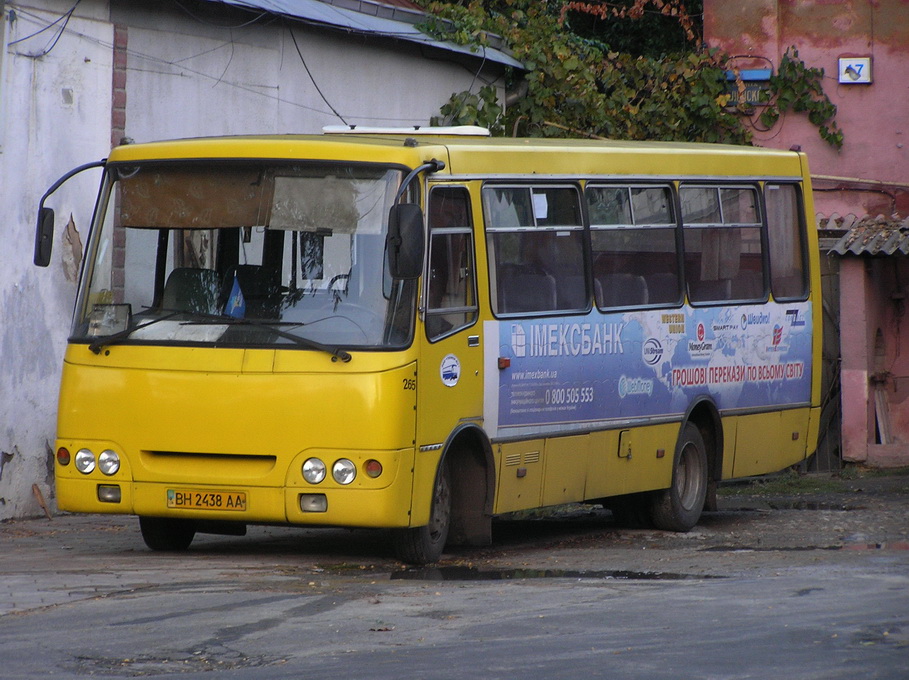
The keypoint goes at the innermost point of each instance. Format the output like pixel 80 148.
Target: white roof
pixel 457 130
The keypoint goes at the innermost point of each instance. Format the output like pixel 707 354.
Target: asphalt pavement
pixel 797 584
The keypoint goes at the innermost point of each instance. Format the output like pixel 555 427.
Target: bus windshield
pixel 244 254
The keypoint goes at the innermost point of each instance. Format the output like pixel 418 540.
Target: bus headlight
pixel 85 461
pixel 314 470
pixel 109 462
pixel 343 471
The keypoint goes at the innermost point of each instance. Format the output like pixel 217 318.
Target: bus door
pixel 450 380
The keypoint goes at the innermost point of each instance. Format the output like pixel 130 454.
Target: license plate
pixel 189 499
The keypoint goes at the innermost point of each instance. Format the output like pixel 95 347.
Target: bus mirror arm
pixel 44 232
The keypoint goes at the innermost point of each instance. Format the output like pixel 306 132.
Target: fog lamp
pixel 313 502
pixel 344 471
pixel 85 461
pixel 109 493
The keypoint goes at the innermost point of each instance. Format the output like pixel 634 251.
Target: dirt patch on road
pixel 767 524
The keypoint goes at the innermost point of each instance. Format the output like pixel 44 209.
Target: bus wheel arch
pixel 468 454
pixel 460 512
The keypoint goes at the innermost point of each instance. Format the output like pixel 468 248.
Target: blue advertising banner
pixel 562 370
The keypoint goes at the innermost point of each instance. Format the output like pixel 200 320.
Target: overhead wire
pixel 65 17
pixel 218 79
pixel 309 73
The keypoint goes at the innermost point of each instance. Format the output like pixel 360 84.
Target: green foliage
pixel 465 108
pixel 578 85
pixel 797 87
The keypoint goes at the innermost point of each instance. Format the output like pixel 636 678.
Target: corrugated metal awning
pixel 875 236
pixel 370 18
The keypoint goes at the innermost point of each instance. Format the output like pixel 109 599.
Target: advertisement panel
pixel 562 370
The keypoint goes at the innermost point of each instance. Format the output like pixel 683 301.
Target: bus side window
pixel 723 249
pixel 785 234
pixel 536 249
pixel 451 287
pixel 635 259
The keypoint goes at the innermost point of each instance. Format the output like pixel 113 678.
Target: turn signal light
pixel 372 468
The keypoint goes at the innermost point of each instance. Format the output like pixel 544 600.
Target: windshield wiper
pixel 200 318
pixel 96 344
pixel 336 352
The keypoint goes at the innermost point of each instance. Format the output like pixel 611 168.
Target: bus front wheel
pixel 424 545
pixel 168 535
pixel 679 507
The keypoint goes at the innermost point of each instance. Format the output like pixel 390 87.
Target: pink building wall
pixel 869 175
pixel 873 117
pixel 875 360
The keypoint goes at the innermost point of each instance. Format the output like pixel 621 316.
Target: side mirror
pixel 44 236
pixel 405 241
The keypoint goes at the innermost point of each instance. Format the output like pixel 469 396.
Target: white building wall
pixel 184 78
pixel 56 115
pixel 252 80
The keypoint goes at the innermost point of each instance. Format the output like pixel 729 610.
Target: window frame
pixel 802 227
pixel 581 228
pixel 467 230
pixel 673 225
pixel 756 187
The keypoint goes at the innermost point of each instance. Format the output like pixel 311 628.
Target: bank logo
pixel 652 352
pixel 518 340
pixel 777 335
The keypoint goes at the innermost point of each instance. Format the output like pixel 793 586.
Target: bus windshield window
pixel 245 254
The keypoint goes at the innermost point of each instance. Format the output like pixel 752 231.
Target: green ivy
pixel 576 86
pixel 798 88
pixel 465 108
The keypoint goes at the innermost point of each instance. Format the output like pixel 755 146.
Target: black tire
pixel 679 507
pixel 168 535
pixel 424 545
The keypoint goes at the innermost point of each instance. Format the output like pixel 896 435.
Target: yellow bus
pixel 419 330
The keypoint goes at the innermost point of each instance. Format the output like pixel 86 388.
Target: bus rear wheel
pixel 166 534
pixel 424 545
pixel 679 507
